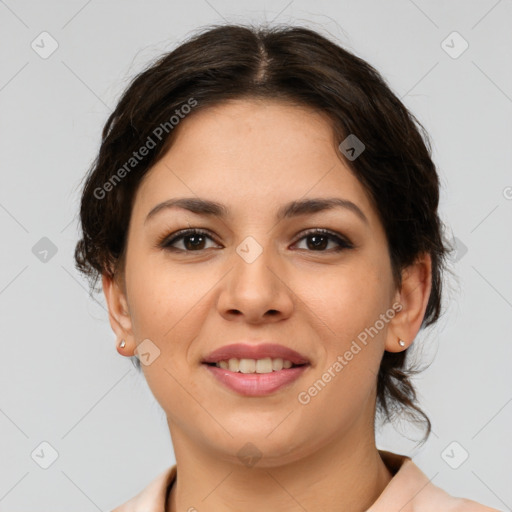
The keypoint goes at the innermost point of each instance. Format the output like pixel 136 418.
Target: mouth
pixel 255 370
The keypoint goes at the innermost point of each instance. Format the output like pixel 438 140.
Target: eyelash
pixel 166 243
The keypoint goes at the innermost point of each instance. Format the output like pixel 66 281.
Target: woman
pixel 263 216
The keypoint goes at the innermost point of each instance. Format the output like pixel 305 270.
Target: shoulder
pixel 465 505
pixel 151 498
pixel 441 500
pixel 410 490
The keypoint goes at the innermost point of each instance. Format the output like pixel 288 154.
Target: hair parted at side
pixel 296 65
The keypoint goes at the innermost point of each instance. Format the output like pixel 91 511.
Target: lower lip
pixel 256 384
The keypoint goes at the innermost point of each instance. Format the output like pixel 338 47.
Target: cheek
pixel 348 302
pixel 170 306
pixel 347 299
pixel 343 384
pixel 167 308
pixel 161 295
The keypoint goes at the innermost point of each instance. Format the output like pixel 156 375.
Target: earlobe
pixel 413 296
pixel 118 313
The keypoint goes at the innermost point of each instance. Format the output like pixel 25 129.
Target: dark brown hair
pixel 302 67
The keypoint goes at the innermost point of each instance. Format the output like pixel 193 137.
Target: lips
pixel 262 382
pixel 245 351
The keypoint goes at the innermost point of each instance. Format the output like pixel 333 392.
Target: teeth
pixel 277 364
pixel 247 366
pixel 265 365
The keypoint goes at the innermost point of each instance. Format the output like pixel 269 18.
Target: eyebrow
pixel 289 210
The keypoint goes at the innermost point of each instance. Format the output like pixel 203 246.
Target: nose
pixel 256 291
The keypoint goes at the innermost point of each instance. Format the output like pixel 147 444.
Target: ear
pixel 119 316
pixel 413 296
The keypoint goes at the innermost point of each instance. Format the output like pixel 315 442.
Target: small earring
pixel 401 343
pixel 122 344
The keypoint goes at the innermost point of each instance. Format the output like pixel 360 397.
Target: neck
pixel 345 474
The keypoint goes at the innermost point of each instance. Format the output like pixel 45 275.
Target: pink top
pixel 408 491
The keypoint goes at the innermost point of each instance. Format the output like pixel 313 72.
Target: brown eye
pixel 192 240
pixel 318 240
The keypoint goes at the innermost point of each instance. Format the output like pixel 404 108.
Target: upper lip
pixel 245 351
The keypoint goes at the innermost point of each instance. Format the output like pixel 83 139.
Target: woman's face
pixel 254 277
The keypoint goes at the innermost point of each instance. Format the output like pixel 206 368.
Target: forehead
pixel 252 154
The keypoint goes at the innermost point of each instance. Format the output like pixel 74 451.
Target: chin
pixel 256 447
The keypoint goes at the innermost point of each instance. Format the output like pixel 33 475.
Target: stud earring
pixel 122 344
pixel 401 343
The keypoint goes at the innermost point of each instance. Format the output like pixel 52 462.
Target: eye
pixel 193 240
pixel 320 238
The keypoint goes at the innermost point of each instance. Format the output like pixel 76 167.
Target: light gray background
pixel 62 380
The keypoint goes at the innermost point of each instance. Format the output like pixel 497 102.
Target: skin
pixel 253 157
